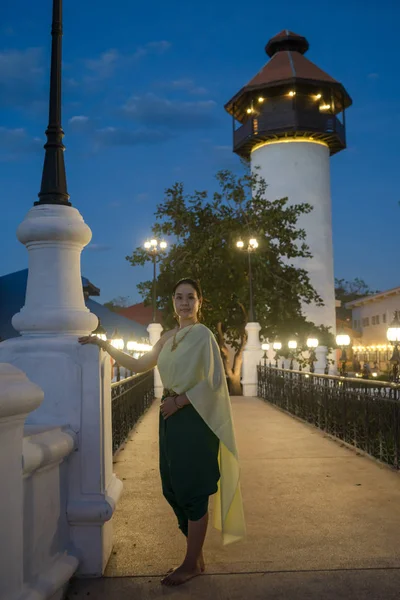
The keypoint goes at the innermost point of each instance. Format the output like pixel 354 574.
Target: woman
pixel 198 455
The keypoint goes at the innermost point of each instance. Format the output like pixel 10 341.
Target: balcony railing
pixel 363 414
pixel 130 399
pixel 290 120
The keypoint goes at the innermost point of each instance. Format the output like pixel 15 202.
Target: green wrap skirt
pixel 188 464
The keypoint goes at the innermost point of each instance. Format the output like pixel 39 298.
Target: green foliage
pixel 206 229
pixel 347 291
pixel 116 303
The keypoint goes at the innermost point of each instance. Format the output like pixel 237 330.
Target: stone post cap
pixel 18 395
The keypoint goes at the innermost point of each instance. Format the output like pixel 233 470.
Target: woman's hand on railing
pixel 93 339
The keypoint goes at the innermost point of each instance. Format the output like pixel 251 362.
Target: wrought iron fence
pixel 130 398
pixel 362 413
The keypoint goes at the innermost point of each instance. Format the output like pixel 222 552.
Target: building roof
pixel 140 313
pixel 288 66
pixel 373 298
pixel 12 299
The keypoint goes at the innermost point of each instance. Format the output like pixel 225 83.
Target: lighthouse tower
pixel 288 120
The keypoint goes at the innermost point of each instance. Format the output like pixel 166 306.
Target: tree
pixel 117 303
pixel 206 230
pixel 347 291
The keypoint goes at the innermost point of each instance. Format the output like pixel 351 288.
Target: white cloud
pixel 21 77
pixel 104 66
pixel 98 247
pixel 109 61
pixel 143 197
pixel 153 110
pixel 117 136
pixel 185 85
pixel 15 142
pixel 78 119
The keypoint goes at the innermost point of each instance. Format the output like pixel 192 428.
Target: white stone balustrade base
pixel 18 396
pixel 155 330
pixel 252 356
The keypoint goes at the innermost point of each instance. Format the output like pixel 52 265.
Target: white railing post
pixel 75 379
pixel 252 356
pixel 155 330
pixel 18 397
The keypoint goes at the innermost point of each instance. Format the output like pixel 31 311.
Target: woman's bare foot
pixel 201 564
pixel 181 574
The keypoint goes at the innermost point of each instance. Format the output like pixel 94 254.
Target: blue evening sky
pixel 144 88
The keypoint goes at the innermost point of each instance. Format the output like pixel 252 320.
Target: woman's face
pixel 186 301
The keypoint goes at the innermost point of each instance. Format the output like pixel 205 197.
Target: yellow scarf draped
pixel 195 368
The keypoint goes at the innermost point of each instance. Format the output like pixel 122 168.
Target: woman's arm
pixel 137 365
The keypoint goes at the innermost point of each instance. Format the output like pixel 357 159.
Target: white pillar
pixel 252 356
pixel 322 355
pixel 75 379
pixel 300 170
pixel 54 237
pixel 155 330
pixel 18 397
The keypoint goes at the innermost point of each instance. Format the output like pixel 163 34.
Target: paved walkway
pixel 323 521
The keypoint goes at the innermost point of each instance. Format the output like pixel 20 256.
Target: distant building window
pixel 355 324
pixel 377 320
pixel 384 318
pixel 373 320
pixel 365 322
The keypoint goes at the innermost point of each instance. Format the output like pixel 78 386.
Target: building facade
pixel 371 317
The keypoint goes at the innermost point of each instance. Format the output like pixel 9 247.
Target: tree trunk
pixel 233 374
pixel 235 387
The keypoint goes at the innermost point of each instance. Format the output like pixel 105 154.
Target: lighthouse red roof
pixel 288 65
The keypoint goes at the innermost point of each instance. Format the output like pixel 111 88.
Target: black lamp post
pixel 154 249
pixel 265 347
pixel 292 345
pixel 118 343
pixel 343 340
pixel 393 335
pixel 251 247
pixel 277 346
pixel 312 344
pixel 54 182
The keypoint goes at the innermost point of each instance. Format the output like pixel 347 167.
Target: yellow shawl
pixel 195 368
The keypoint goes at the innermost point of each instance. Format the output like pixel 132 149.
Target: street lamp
pixel 312 344
pixel 276 346
pixel 118 343
pixel 155 249
pixel 265 347
pixel 343 340
pixel 53 188
pixel 292 345
pixel 251 247
pixel 393 335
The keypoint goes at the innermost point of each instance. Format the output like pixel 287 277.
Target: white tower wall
pixel 300 170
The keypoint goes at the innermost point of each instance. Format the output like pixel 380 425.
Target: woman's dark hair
pixel 195 285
